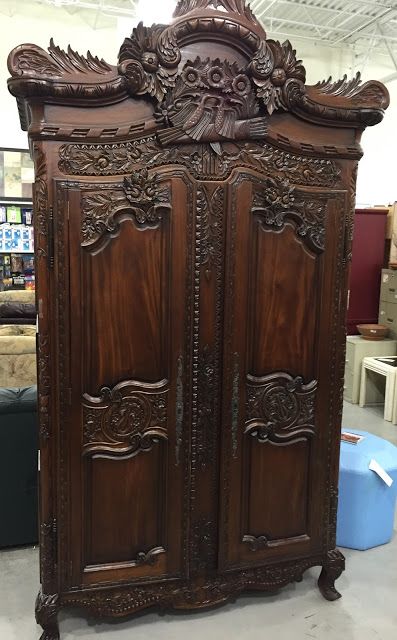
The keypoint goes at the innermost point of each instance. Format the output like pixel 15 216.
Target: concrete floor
pixel 367 610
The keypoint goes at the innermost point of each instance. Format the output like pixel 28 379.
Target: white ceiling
pixel 365 26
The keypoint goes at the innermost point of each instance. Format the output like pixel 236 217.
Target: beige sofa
pixel 17 346
pixel 17 296
pixel 17 356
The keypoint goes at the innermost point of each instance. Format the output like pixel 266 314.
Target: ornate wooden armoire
pixel 193 218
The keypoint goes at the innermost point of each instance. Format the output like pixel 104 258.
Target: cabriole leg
pixel 333 566
pixel 47 616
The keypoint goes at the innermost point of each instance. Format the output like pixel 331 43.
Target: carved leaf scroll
pixel 280 408
pixel 150 66
pixel 233 6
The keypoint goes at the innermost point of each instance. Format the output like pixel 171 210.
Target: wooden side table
pixel 381 367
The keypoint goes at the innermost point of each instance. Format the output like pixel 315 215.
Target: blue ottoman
pixel 366 503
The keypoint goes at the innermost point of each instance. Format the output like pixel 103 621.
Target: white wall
pixel 377 182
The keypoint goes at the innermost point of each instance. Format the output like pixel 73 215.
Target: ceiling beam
pixel 388 47
pixel 367 24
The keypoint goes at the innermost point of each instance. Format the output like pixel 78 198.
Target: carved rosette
pixel 276 203
pixel 280 408
pixel 129 417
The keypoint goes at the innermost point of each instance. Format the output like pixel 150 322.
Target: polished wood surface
pixel 194 213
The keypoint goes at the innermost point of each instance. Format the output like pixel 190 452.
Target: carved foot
pixel 333 566
pixel 47 616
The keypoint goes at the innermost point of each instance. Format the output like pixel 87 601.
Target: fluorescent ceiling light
pixel 155 11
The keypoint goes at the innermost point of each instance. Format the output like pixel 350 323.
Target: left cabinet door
pixel 122 270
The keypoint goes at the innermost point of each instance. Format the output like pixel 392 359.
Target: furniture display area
pixel 189 422
pixel 357 348
pixel 367 262
pixel 388 301
pixel 18 470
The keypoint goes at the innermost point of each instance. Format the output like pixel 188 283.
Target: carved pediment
pixel 150 64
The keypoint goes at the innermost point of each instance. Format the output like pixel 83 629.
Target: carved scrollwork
pixel 276 203
pixel 148 558
pixel 206 424
pixel 204 534
pixel 211 592
pixel 149 65
pixel 212 101
pixel 200 159
pixel 280 408
pixel 256 543
pixel 130 416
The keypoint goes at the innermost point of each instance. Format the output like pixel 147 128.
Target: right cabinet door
pixel 283 282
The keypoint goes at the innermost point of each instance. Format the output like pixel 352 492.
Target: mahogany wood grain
pixel 193 227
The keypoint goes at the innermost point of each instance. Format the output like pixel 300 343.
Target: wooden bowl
pixel 373 331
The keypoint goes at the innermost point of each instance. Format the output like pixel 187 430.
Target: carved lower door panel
pixel 280 325
pixel 123 263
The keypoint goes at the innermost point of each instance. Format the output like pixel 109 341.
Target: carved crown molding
pixel 149 64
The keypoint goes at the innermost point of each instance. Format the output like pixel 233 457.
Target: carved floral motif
pixel 280 407
pixel 143 198
pixel 128 414
pixel 276 203
pixel 200 159
pixel 212 101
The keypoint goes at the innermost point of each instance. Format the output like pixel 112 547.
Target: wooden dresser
pixel 194 212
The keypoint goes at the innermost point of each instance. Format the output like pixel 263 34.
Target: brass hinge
pixel 50 238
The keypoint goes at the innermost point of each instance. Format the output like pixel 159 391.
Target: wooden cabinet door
pixel 122 259
pixel 284 251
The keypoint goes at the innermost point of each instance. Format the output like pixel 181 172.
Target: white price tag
pixel 374 466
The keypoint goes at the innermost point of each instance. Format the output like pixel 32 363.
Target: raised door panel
pixel 125 337
pixel 282 247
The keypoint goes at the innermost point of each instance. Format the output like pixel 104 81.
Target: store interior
pixel 332 39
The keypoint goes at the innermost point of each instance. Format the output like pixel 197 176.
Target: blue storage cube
pixel 366 503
